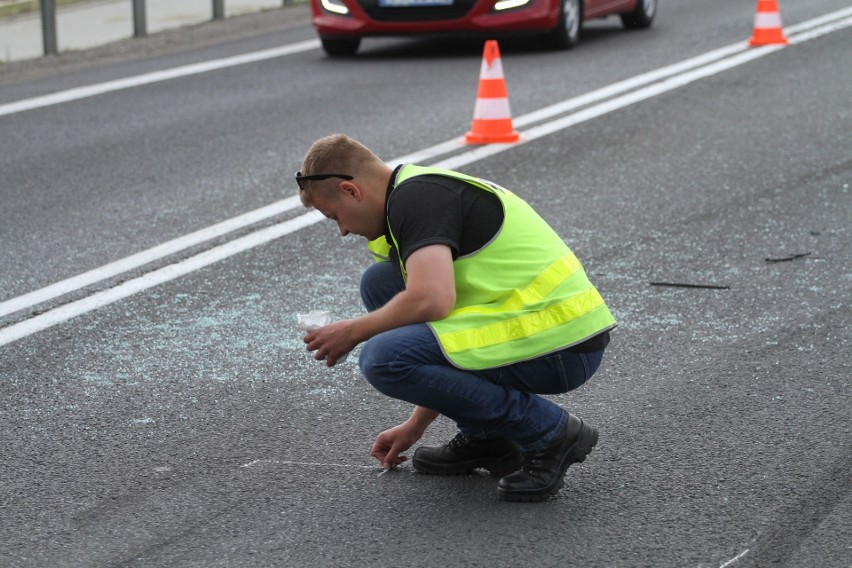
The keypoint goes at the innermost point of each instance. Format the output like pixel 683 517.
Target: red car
pixel 342 23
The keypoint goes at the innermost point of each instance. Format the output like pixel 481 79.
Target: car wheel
pixel 340 46
pixel 641 17
pixel 566 34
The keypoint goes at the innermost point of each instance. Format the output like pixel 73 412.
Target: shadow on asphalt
pixel 455 47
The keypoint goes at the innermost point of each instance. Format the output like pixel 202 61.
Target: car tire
pixel 340 46
pixel 641 17
pixel 566 34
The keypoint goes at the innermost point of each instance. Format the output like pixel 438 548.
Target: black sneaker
pixel 500 456
pixel 543 472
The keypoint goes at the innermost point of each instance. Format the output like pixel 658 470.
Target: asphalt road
pixel 185 425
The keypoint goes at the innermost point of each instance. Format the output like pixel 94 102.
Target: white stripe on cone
pixel 493 71
pixel 767 20
pixel 490 109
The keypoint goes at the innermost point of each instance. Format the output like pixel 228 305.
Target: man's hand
pixel 390 443
pixel 429 295
pixel 331 342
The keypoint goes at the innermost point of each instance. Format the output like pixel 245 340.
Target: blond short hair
pixel 336 153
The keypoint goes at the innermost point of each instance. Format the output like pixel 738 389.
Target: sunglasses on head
pixel 319 177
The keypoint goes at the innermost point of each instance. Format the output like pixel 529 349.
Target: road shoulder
pixel 160 43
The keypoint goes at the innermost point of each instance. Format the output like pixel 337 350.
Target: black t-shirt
pixel 432 209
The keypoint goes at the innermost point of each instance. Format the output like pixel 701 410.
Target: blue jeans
pixel 407 363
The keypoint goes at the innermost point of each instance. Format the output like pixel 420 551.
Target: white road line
pixel 147 256
pixel 155 77
pixel 306 464
pixel 819 20
pixel 159 276
pixel 609 106
pixel 734 559
pixel 823 30
pixel 667 79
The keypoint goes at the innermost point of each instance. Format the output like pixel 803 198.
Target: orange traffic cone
pixel 492 119
pixel 767 25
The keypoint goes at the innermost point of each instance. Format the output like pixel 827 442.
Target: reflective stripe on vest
pixel 523 295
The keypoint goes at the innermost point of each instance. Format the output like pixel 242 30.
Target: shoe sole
pixel 497 467
pixel 586 442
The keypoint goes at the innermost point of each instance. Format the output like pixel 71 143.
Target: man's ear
pixel 350 189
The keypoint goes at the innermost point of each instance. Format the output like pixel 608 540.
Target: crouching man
pixel 480 308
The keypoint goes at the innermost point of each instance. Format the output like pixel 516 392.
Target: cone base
pixel 474 138
pixel 768 39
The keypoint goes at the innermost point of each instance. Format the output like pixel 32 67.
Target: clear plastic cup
pixel 314 320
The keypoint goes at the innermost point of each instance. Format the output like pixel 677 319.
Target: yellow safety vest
pixel 380 249
pixel 523 295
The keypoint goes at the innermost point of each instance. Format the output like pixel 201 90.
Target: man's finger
pixel 379 451
pixel 392 459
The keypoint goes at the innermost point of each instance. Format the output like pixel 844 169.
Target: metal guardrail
pixel 140 21
pixel 48 26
